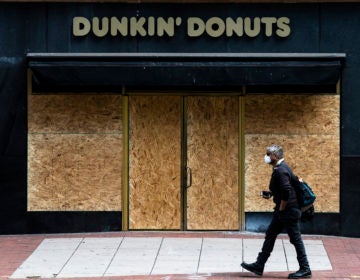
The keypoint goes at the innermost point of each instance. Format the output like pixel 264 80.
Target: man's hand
pixel 266 194
pixel 283 204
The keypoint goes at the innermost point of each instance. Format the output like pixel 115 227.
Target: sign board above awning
pixel 59 72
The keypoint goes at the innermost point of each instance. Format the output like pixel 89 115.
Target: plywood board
pixel 155 157
pixel 74 172
pixel 74 152
pixel 72 113
pixel 212 138
pixel 308 129
pixel 292 114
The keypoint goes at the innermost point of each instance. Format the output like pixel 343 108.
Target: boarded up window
pixel 307 126
pixel 74 152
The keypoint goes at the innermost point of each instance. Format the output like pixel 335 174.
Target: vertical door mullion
pixel 183 163
pixel 125 165
pixel 242 160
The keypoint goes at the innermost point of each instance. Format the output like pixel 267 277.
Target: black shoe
pixel 302 273
pixel 254 267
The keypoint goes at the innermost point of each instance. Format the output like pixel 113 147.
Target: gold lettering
pixel 196 27
pixel 100 32
pixel 164 26
pixel 249 30
pixel 283 27
pixel 119 26
pixel 269 21
pixel 137 26
pixel 151 26
pixel 211 30
pixel 81 26
pixel 234 27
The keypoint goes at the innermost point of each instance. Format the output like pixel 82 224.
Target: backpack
pixel 304 194
pixel 305 197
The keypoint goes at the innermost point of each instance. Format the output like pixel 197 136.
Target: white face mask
pixel 267 159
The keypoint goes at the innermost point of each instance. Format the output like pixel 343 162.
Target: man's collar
pixel 279 161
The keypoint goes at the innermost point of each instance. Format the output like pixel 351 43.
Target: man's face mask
pixel 267 159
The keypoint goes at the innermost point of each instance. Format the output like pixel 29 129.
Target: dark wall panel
pixel 71 222
pixel 322 223
pixel 338 34
pixel 22 29
pixel 350 113
pixel 350 194
pixel 13 144
pixel 13 195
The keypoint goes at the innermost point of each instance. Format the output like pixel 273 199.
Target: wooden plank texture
pixel 73 113
pixel 74 172
pixel 212 139
pixel 74 152
pixel 308 129
pixel 155 157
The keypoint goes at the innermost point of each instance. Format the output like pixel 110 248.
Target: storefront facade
pixel 120 116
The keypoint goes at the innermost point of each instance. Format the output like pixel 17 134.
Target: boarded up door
pixel 212 157
pixel 155 162
pixel 164 140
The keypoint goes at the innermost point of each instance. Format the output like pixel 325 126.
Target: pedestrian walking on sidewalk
pixel 286 215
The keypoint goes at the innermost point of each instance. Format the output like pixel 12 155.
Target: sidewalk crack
pixel 116 251
pixel 73 253
pixel 201 249
pixel 157 254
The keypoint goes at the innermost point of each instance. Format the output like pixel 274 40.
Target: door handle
pixel 188 177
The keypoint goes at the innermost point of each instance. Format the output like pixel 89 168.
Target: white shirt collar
pixel 280 161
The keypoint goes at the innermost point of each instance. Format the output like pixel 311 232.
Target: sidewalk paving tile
pixel 168 255
pixel 91 258
pixel 48 259
pixel 98 257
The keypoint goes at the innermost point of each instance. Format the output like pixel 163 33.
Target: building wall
pixel 318 28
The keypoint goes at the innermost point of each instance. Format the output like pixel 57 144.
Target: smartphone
pixel 265 194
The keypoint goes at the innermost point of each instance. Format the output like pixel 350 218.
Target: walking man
pixel 286 215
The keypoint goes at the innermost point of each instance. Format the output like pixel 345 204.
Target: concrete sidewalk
pixel 169 255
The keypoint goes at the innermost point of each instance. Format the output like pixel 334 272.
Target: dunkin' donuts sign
pixel 194 26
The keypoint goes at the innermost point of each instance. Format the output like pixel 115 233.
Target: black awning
pixel 61 72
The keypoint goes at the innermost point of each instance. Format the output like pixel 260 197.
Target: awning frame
pixel 59 72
